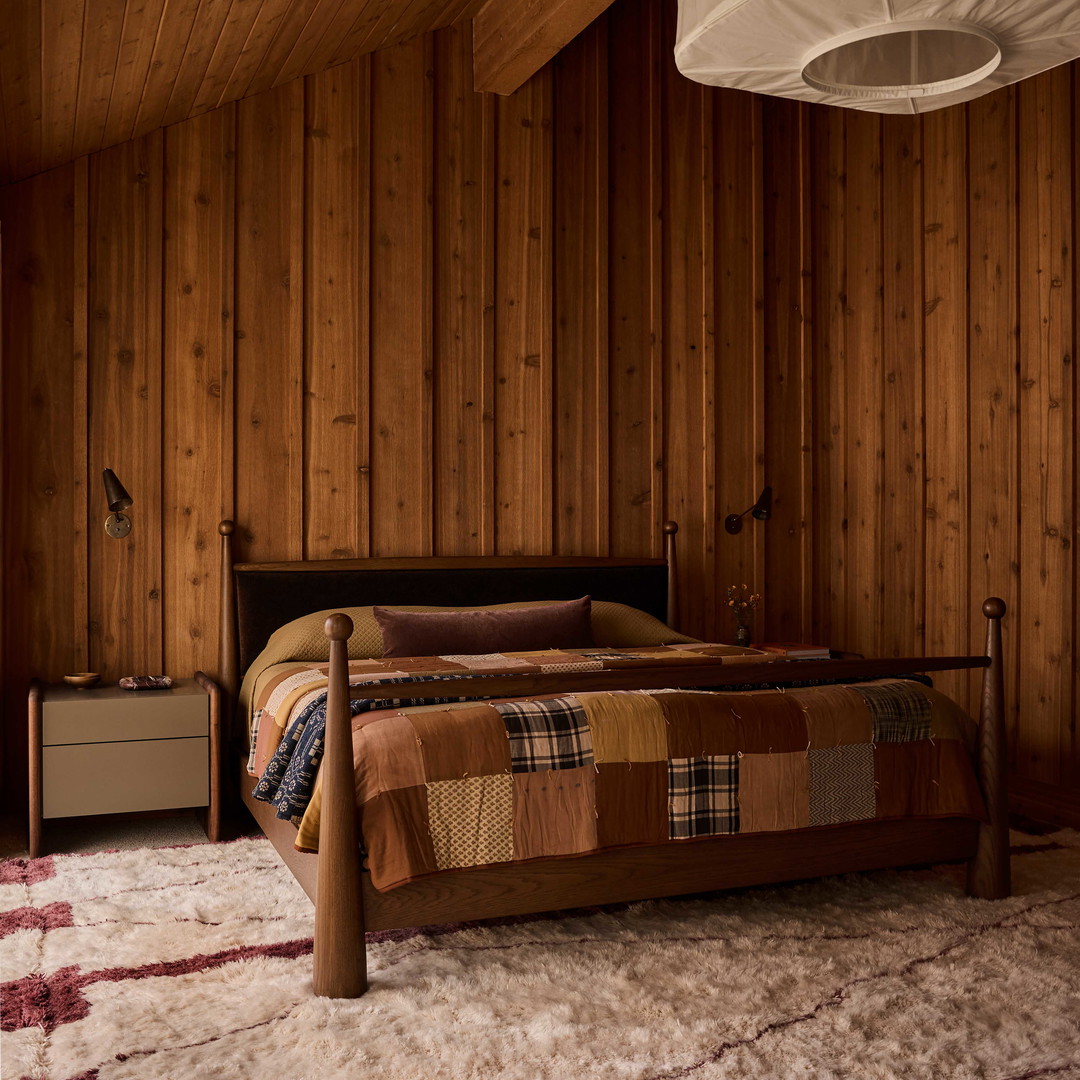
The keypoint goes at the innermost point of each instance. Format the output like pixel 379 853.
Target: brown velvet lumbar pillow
pixel 562 625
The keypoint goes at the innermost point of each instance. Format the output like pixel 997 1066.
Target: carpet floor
pixel 194 962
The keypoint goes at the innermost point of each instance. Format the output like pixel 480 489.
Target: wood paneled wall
pixel 372 312
pixel 944 395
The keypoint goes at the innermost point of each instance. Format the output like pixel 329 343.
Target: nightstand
pixel 112 751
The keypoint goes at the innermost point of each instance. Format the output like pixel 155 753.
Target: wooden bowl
pixel 83 680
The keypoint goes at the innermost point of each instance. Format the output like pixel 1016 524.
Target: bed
pixel 259 599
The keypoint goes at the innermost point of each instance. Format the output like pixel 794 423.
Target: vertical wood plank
pixel 1072 764
pixel 946 374
pixel 994 381
pixel 1046 420
pixel 83 481
pixel 8 500
pixel 124 403
pixel 902 515
pixel 268 316
pixel 463 303
pixel 580 296
pixel 738 440
pixel 864 378
pixel 523 366
pixel 197 382
pixel 635 408
pixel 336 418
pixel 830 623
pixel 689 378
pixel 401 120
pixel 36 351
pixel 788 394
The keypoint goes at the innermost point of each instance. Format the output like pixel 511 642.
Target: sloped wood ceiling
pixel 80 75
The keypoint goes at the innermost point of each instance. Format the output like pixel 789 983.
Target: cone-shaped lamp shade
pixel 760 511
pixel 115 492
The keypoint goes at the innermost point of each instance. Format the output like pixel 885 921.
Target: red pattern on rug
pixel 49 917
pixel 26 871
pixel 47 1001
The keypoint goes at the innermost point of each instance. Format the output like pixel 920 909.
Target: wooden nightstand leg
pixel 213 809
pixel 34 713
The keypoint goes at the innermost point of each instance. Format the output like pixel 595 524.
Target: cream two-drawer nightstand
pixel 112 751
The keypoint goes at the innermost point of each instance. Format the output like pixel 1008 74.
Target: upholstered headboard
pixel 257 598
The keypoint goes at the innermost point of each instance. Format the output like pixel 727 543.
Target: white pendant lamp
pixel 887 56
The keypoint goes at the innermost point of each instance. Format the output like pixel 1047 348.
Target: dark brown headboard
pixel 257 598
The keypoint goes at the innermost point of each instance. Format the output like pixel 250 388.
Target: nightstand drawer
pixel 117 777
pixel 110 714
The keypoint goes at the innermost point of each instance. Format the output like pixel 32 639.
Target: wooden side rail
pixel 693 673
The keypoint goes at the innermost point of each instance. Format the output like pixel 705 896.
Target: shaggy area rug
pixel 194 962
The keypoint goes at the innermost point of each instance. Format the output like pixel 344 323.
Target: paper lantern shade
pixel 896 56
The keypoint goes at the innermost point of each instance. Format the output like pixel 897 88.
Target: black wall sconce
pixel 761 511
pixel 117 524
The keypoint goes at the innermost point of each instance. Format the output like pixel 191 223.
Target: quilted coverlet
pixel 444 783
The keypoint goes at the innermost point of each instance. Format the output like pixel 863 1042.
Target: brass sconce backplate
pixel 118 525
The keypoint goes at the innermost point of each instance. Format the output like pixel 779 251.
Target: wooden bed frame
pixel 346 904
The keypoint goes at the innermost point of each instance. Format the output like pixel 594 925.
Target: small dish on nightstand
pixel 83 680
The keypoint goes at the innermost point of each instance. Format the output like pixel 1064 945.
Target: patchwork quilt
pixel 445 783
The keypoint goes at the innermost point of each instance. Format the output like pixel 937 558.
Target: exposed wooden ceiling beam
pixel 514 39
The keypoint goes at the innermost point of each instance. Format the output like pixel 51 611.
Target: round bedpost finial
pixel 671 528
pixel 994 607
pixel 226 527
pixel 339 627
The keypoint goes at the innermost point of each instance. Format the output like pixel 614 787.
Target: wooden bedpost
pixel 229 655
pixel 670 529
pixel 988 871
pixel 340 961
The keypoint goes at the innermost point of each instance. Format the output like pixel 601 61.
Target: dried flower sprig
pixel 742 601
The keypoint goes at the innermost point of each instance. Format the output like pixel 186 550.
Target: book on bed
pixel 794 650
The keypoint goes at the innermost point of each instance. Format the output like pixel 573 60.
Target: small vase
pixel 742 636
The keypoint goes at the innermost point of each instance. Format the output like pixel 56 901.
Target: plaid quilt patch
pixel 900 711
pixel 703 796
pixel 551 734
